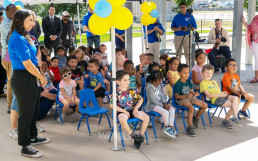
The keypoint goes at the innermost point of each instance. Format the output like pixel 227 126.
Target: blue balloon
pixel 103 8
pixel 154 13
pixel 4 14
pixel 6 3
pixel 19 3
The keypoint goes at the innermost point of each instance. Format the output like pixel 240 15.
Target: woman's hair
pixel 198 52
pixel 155 75
pixel 152 65
pixel 120 74
pixel 163 57
pixel 64 70
pixel 78 51
pixel 170 61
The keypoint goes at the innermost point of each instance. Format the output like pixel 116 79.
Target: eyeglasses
pixel 67 75
pixel 232 65
pixel 182 7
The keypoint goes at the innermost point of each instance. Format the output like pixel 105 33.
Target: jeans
pixel 95 40
pixel 46 105
pixel 224 50
pixel 119 43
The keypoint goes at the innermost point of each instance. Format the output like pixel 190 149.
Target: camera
pixel 223 39
pixel 189 11
pixel 184 28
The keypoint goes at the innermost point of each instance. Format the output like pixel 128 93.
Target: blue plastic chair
pixel 133 121
pixel 60 106
pixel 182 109
pixel 143 86
pixel 86 82
pixel 87 95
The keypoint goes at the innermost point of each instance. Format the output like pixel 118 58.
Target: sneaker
pixel 168 131
pixel 243 113
pixel 236 121
pixel 227 124
pixel 77 115
pixel 105 100
pixel 14 134
pixel 29 151
pixel 134 135
pixel 39 140
pixel 59 120
pixel 150 124
pixel 40 128
pixel 195 121
pixel 190 131
pixel 138 141
pixel 172 133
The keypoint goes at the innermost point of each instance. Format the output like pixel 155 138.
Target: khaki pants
pixel 8 67
pixel 154 49
pixel 185 45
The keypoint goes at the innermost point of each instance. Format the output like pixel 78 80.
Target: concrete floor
pixel 213 143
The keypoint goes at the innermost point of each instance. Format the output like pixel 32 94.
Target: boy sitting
pixel 232 85
pixel 211 90
pixel 135 77
pixel 96 80
pixel 54 68
pixel 76 72
pixel 185 96
pixel 149 58
pixel 61 56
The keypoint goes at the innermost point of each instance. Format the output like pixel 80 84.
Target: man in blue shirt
pixel 120 39
pixel 180 27
pixel 154 32
pixel 91 37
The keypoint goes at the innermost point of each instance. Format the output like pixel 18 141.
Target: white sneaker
pixel 14 134
pixel 105 100
pixel 40 128
pixel 169 132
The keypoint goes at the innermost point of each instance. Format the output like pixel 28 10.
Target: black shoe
pixel 8 111
pixel 195 121
pixel 39 140
pixel 223 70
pixel 190 131
pixel 138 141
pixel 28 151
pixel 216 70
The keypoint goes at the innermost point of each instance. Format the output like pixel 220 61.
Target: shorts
pixel 100 92
pixel 182 101
pixel 196 87
pixel 130 112
pixel 61 99
pixel 242 96
pixel 220 101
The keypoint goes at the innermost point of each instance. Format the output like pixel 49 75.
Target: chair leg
pixel 87 121
pixel 135 125
pixel 215 112
pixel 162 126
pixel 153 126
pixel 80 122
pixel 249 113
pixel 225 110
pixel 203 122
pixel 182 114
pixel 220 111
pixel 121 135
pixel 60 115
pixel 100 119
pixel 175 127
pixel 56 111
pixel 108 120
pixel 111 134
pixel 209 115
pixel 147 139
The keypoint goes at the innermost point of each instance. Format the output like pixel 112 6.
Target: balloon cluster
pixel 150 13
pixel 109 13
pixel 18 4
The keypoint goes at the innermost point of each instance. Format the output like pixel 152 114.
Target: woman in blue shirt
pixel 26 80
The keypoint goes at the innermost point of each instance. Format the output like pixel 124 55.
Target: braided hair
pixel 155 75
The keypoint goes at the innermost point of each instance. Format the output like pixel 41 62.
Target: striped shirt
pixel 5 28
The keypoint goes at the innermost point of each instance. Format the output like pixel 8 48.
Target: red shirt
pixel 56 73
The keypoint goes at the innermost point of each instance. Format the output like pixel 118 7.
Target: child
pixel 76 72
pixel 60 55
pixel 67 93
pixel 48 74
pixel 96 80
pixel 185 96
pixel 135 77
pixel 44 53
pixel 142 60
pixel 232 85
pixel 163 61
pixel 128 104
pixel 85 54
pixel 71 49
pixel 82 64
pixel 124 52
pixel 200 58
pixel 211 90
pixel 120 59
pixel 104 56
pixel 172 75
pixel 145 65
pixel 54 68
pixel 158 103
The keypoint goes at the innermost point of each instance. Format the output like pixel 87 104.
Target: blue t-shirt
pixel 85 22
pixel 95 80
pixel 183 20
pixel 183 88
pixel 120 32
pixel 152 37
pixel 132 84
pixel 20 50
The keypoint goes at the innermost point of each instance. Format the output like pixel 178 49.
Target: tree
pixel 246 4
pixel 214 5
pixel 188 2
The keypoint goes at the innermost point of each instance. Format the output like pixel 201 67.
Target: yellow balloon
pixel 153 5
pixel 18 7
pixel 146 7
pixel 116 3
pixel 92 3
pixel 121 18
pixel 146 19
pixel 98 25
pixel 153 20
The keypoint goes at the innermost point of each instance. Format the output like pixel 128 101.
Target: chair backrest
pixel 190 76
pixel 86 82
pixel 87 96
pixel 221 84
pixel 143 86
pixel 144 100
pixel 174 99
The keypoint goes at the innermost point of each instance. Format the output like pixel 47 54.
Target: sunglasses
pixel 66 75
pixel 232 65
pixel 66 16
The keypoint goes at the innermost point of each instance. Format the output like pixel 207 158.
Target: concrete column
pixel 237 32
pixel 129 35
pixel 251 14
pixel 163 20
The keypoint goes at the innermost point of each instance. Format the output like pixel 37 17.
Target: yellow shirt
pixel 175 76
pixel 212 87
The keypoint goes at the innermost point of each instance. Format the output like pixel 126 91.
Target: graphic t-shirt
pixel 68 88
pixel 231 80
pixel 96 79
pixel 212 87
pixel 183 88
pixel 132 84
pixel 49 81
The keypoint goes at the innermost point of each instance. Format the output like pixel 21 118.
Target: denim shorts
pixel 14 104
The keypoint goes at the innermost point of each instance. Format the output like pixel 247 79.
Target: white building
pixel 201 4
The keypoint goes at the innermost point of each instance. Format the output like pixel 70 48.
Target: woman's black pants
pixel 27 92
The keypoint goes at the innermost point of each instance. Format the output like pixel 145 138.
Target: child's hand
pixel 73 100
pixel 196 94
pixel 127 113
pixel 105 69
pixel 86 76
pixel 240 95
pixel 166 106
pixel 189 95
pixel 135 112
pixel 224 94
pixel 102 72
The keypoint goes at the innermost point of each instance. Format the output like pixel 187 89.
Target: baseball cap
pixel 65 13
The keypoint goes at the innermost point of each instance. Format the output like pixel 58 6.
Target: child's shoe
pixel 138 141
pixel 243 113
pixel 169 131
pixel 59 120
pixel 77 115
pixel 236 121
pixel 190 131
pixel 226 124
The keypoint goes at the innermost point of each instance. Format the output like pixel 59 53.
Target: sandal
pixel 254 80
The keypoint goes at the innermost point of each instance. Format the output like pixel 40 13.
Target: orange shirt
pixel 230 80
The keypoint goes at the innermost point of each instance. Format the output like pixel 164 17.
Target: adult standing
pixel 2 70
pixel 36 29
pixel 52 28
pixel 91 37
pixel 252 42
pixel 180 25
pixel 120 38
pixel 68 31
pixel 220 39
pixel 25 83
pixel 154 31
pixel 6 63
